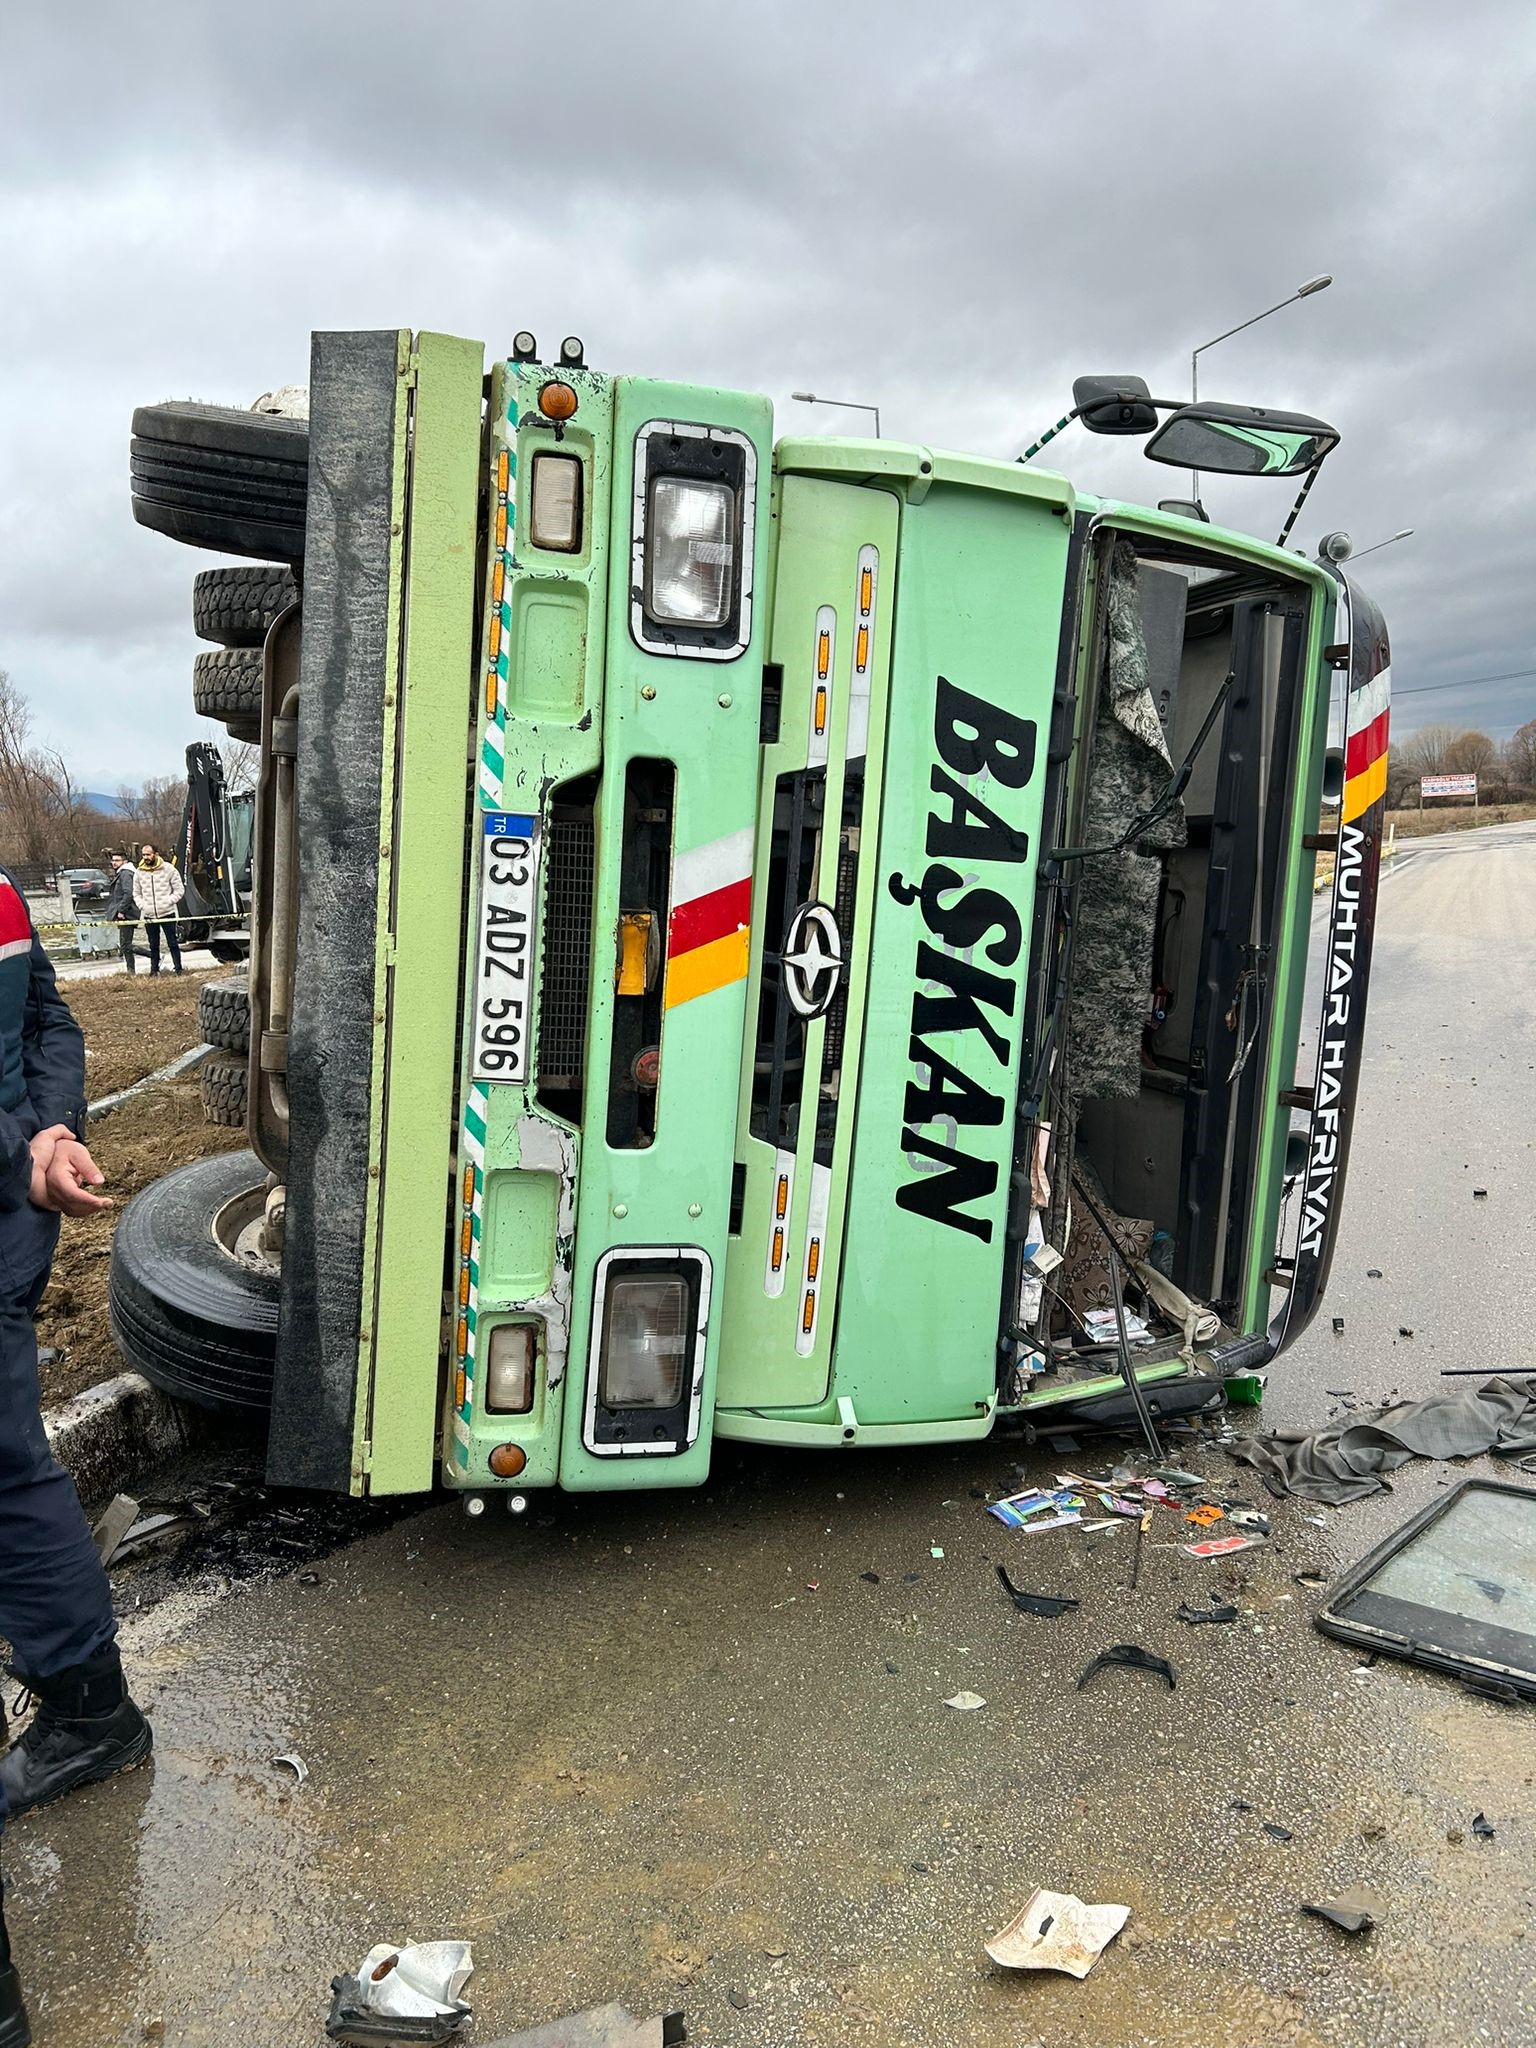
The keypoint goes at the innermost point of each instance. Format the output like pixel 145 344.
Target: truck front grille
pixel 568 889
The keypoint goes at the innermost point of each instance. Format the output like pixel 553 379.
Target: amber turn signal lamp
pixel 507 1460
pixel 557 401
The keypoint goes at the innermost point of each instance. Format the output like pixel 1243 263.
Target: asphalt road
pixel 683 1751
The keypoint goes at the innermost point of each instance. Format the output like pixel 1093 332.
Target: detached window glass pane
pixel 1457 1586
pixel 690 551
pixel 645 1341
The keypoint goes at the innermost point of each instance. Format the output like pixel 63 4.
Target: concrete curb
pixel 105 1437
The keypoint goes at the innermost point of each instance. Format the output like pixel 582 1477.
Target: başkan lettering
pixel 977 744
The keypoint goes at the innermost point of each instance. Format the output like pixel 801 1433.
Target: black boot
pixel 14 2030
pixel 85 1728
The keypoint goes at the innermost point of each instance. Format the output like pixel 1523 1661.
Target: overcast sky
pixel 949 210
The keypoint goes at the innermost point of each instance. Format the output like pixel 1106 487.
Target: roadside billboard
pixel 1448 785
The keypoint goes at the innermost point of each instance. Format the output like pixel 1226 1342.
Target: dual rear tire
pixel 199 1322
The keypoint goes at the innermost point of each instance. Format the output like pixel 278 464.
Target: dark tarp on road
pixel 1350 1460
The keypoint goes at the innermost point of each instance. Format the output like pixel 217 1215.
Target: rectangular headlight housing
pixel 690 561
pixel 692 540
pixel 650 1315
pixel 512 1360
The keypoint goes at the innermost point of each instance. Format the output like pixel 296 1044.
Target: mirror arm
pixel 1301 498
pixel 1158 404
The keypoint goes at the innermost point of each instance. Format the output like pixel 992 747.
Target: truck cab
pixel 801 941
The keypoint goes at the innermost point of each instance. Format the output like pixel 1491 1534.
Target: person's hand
pixel 65 1174
pixel 42 1150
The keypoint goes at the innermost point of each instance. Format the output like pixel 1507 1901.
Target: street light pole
pixel 1302 291
pixel 1404 535
pixel 845 404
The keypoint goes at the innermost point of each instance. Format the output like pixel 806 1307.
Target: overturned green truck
pixel 796 941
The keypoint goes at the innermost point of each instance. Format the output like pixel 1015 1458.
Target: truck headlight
pixel 645 1342
pixel 691 542
pixel 691 556
pixel 650 1312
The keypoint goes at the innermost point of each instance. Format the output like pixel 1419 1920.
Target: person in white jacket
pixel 158 889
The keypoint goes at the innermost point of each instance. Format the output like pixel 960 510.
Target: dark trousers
pixel 152 932
pixel 55 1603
pixel 125 932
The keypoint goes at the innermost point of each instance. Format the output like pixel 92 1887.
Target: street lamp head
pixel 1406 534
pixel 1313 284
pixel 805 397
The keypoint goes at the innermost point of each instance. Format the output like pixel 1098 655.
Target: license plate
pixel 503 1022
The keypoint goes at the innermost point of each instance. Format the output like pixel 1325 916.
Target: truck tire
pixel 216 477
pixel 227 684
pixel 221 1081
pixel 195 1321
pixel 234 607
pixel 224 1013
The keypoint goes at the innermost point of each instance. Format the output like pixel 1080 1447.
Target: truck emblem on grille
pixel 812 960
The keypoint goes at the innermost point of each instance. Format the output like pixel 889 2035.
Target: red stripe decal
pixel 710 917
pixel 15 922
pixel 1366 745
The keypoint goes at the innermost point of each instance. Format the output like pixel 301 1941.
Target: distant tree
pixel 153 810
pixel 241 761
pixel 1471 753
pixel 44 820
pixel 1520 755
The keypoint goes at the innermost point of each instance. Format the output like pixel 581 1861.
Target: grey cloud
pixel 952 212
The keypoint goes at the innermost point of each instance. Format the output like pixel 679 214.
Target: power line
pixel 1466 683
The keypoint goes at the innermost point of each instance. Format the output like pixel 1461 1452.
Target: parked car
pixel 88 887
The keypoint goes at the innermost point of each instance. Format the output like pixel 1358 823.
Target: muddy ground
pixel 133 1026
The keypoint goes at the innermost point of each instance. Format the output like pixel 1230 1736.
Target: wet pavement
pixel 683 1751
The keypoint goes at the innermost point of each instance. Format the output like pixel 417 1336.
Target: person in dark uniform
pixel 55 1603
pixel 123 909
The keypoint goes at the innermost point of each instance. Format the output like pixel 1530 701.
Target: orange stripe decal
pixel 1362 790
pixel 707 968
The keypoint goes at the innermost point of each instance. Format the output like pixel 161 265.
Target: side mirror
pixel 1114 405
pixel 1241 440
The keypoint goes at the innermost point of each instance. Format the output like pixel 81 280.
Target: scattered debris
pixel 1057 1507
pixel 1479 1194
pixel 1221 1546
pixel 1204 1515
pixel 966 1702
pixel 1057 1931
pixel 737 1998
pixel 116 1519
pixel 409 1993
pixel 870 1578
pixel 1403 1330
pixel 603 2026
pixel 1312 1578
pixel 1482 1827
pixel 1355 1911
pixel 1239 1806
pixel 1249 1518
pixel 1213 1613
pixel 1276 1833
pixel 1134 1658
pixel 1373 1272
pixel 289 1762
pixel 1048 1604
pixel 1338 1326
pixel 934 1550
